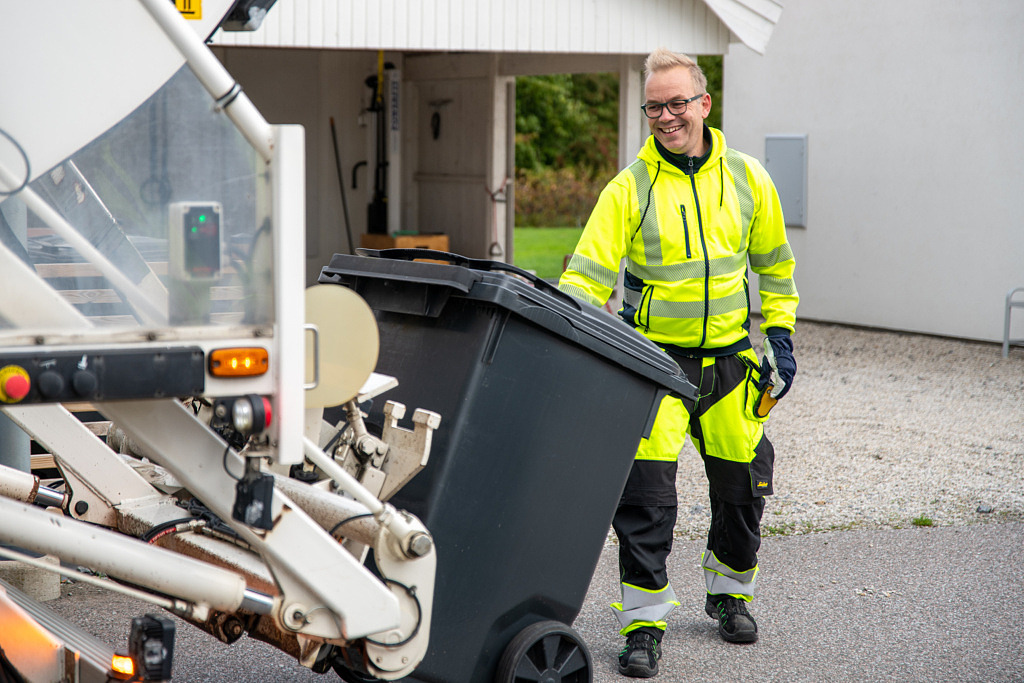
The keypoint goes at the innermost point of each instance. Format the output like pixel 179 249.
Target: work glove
pixel 778 367
pixel 777 371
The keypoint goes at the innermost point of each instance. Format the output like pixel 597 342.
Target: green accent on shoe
pixel 639 657
pixel 735 624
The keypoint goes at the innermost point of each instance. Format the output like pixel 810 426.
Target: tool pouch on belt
pixel 764 402
pixel 759 401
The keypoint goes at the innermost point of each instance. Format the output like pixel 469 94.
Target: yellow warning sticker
pixel 190 9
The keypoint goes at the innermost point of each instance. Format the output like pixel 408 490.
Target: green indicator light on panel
pixel 202 218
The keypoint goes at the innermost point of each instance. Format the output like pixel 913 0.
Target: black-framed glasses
pixel 653 110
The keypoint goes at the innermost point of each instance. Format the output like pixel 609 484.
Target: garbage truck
pixel 235 448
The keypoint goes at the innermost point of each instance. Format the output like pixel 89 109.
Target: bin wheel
pixel 350 676
pixel 546 652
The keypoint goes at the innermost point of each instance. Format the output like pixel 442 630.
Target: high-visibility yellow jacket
pixel 687 239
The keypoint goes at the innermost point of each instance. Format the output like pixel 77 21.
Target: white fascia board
pixel 751 21
pixel 596 27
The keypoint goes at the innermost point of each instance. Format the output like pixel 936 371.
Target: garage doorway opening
pixel 566 148
pixel 566 151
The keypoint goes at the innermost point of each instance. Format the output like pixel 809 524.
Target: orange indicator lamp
pixel 239 362
pixel 123 667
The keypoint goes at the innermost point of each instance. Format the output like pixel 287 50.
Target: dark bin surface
pixel 543 401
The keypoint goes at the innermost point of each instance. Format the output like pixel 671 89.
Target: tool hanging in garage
pixel 341 184
pixel 377 218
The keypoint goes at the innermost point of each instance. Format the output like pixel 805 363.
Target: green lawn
pixel 544 249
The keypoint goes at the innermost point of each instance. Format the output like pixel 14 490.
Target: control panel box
pixel 196 241
pixel 95 375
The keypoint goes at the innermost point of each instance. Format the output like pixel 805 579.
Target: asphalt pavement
pixel 915 604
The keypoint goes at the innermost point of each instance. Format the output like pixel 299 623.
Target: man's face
pixel 684 133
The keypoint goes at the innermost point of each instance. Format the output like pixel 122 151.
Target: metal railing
pixel 1010 305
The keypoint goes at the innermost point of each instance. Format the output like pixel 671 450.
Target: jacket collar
pixel 652 153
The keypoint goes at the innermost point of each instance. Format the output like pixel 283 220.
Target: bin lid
pixel 513 289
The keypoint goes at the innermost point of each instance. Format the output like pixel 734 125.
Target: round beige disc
pixel 349 343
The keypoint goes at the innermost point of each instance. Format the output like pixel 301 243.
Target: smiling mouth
pixel 671 129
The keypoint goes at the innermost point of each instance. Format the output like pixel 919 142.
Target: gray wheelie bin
pixel 543 400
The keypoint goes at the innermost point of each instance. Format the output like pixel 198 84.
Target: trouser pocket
pixel 762 467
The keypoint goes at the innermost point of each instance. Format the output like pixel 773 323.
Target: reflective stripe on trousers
pixel 641 607
pixel 723 580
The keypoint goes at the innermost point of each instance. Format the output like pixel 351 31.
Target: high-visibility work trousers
pixel 738 461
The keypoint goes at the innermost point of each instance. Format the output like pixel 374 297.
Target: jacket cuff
pixel 776 332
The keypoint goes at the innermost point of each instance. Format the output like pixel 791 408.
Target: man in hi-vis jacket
pixel 688 216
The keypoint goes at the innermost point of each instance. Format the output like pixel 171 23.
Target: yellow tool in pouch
pixel 765 402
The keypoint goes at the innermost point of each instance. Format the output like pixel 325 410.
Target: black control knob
pixel 84 383
pixel 50 383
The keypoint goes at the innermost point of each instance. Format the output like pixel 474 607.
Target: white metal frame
pixel 311 585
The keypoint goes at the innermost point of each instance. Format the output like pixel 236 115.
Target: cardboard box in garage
pixel 436 241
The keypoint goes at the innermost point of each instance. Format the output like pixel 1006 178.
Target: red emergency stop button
pixel 14 383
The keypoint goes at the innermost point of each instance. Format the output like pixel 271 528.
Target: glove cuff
pixel 776 332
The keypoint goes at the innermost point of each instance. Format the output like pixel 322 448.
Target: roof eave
pixel 752 22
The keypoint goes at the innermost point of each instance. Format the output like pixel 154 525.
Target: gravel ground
pixel 882 428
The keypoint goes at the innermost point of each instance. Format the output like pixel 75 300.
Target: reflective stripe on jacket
pixel 687 240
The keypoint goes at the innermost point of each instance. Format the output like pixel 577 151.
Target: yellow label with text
pixel 190 9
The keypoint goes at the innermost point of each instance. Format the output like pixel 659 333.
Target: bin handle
pixel 473 263
pixel 309 327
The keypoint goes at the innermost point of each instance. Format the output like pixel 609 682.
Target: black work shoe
pixel 639 658
pixel 734 621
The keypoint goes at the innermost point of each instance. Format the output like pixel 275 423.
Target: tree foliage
pixel 572 120
pixel 567 131
pixel 567 120
pixel 712 67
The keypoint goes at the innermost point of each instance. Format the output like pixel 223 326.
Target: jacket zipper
pixel 704 249
pixel 648 294
pixel 686 230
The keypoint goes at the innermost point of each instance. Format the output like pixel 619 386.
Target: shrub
pixel 561 197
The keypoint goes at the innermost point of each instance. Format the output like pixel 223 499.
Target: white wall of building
pixel 915 156
pixel 309 87
pixel 446 184
pixel 457 182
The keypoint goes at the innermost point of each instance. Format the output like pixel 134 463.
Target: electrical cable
pixel 350 519
pixel 225 100
pixel 416 629
pixel 156 190
pixel 153 531
pixel 419 618
pixel 334 439
pixel 28 169
pixel 495 197
pixel 341 184
pixel 224 463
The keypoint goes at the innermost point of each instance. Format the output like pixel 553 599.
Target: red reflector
pixel 266 410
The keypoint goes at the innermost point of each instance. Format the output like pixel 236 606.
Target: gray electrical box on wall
pixel 785 158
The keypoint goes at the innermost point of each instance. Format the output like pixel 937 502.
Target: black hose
pixel 163 526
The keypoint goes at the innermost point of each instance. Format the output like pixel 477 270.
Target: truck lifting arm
pixel 186 427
